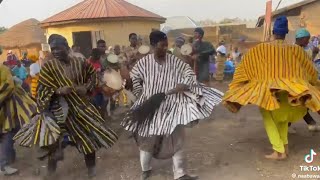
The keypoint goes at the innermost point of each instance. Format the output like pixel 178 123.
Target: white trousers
pixel 178 163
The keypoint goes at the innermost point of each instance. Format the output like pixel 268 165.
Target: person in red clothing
pixel 97 96
pixel 94 59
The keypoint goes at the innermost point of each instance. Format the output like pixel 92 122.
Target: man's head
pixel 59 47
pixel 236 49
pixel 180 42
pixel 159 41
pixel 102 46
pixel 133 38
pixel 198 33
pixel 302 37
pixel 222 43
pixel 95 54
pixel 25 55
pixel 18 63
pixel 117 50
pixel 280 28
pixel 75 48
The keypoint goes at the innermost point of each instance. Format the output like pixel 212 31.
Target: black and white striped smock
pixel 150 77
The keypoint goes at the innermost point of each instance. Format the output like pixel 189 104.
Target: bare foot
pixel 276 156
pixel 286 147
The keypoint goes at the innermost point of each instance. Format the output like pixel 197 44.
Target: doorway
pixel 83 40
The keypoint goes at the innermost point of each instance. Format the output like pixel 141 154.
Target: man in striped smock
pixel 66 117
pixel 164 138
pixel 281 80
pixel 16 108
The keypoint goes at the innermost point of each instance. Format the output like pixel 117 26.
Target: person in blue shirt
pixel 20 71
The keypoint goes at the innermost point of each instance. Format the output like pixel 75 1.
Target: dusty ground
pixel 225 147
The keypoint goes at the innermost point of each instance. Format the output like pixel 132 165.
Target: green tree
pixel 2 29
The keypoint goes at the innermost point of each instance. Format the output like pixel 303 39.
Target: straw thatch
pixel 23 34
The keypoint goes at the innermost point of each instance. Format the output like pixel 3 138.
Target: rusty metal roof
pixel 101 9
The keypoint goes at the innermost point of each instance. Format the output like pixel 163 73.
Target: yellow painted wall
pixel 115 32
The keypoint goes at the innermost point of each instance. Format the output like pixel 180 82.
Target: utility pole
pixel 268 20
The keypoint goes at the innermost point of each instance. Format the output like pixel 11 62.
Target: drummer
pixel 122 57
pixel 97 96
pixel 177 47
pixel 131 51
pixel 202 52
pixel 102 46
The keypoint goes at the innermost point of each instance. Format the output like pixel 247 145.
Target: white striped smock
pixel 150 78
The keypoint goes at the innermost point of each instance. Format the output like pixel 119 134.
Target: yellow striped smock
pixel 34 85
pixel 16 107
pixel 83 123
pixel 269 68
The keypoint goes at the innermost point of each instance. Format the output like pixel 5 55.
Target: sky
pixel 15 11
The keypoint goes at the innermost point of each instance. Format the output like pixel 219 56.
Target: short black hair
pixel 132 34
pixel 73 46
pixel 101 41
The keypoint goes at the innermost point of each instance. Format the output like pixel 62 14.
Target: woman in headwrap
pixel 66 115
pixel 16 108
pixel 164 137
pixel 281 80
pixel 302 40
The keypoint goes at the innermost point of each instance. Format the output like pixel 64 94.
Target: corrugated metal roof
pixel 102 9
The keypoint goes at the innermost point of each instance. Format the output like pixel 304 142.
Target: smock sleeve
pixel 6 84
pixel 136 77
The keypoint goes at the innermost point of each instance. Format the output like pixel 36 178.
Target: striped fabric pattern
pixel 16 107
pixel 269 68
pixel 34 85
pixel 83 123
pixel 150 78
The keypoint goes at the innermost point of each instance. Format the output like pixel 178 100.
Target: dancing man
pixel 159 73
pixel 66 115
pixel 281 80
pixel 16 107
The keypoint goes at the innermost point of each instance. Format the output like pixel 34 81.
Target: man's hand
pixel 182 88
pixel 64 90
pixel 81 90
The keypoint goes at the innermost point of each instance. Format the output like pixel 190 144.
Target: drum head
pixel 144 49
pixel 186 49
pixel 112 58
pixel 113 79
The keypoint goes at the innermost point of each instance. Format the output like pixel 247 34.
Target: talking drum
pixel 186 49
pixel 112 58
pixel 144 49
pixel 112 82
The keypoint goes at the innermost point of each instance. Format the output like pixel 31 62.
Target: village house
pixel 26 36
pixel 111 20
pixel 304 14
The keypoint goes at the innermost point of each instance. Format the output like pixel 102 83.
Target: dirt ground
pixel 225 147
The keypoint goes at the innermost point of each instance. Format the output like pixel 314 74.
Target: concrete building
pixel 304 14
pixel 111 20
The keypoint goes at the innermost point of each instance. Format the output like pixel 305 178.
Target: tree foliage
pixel 2 29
